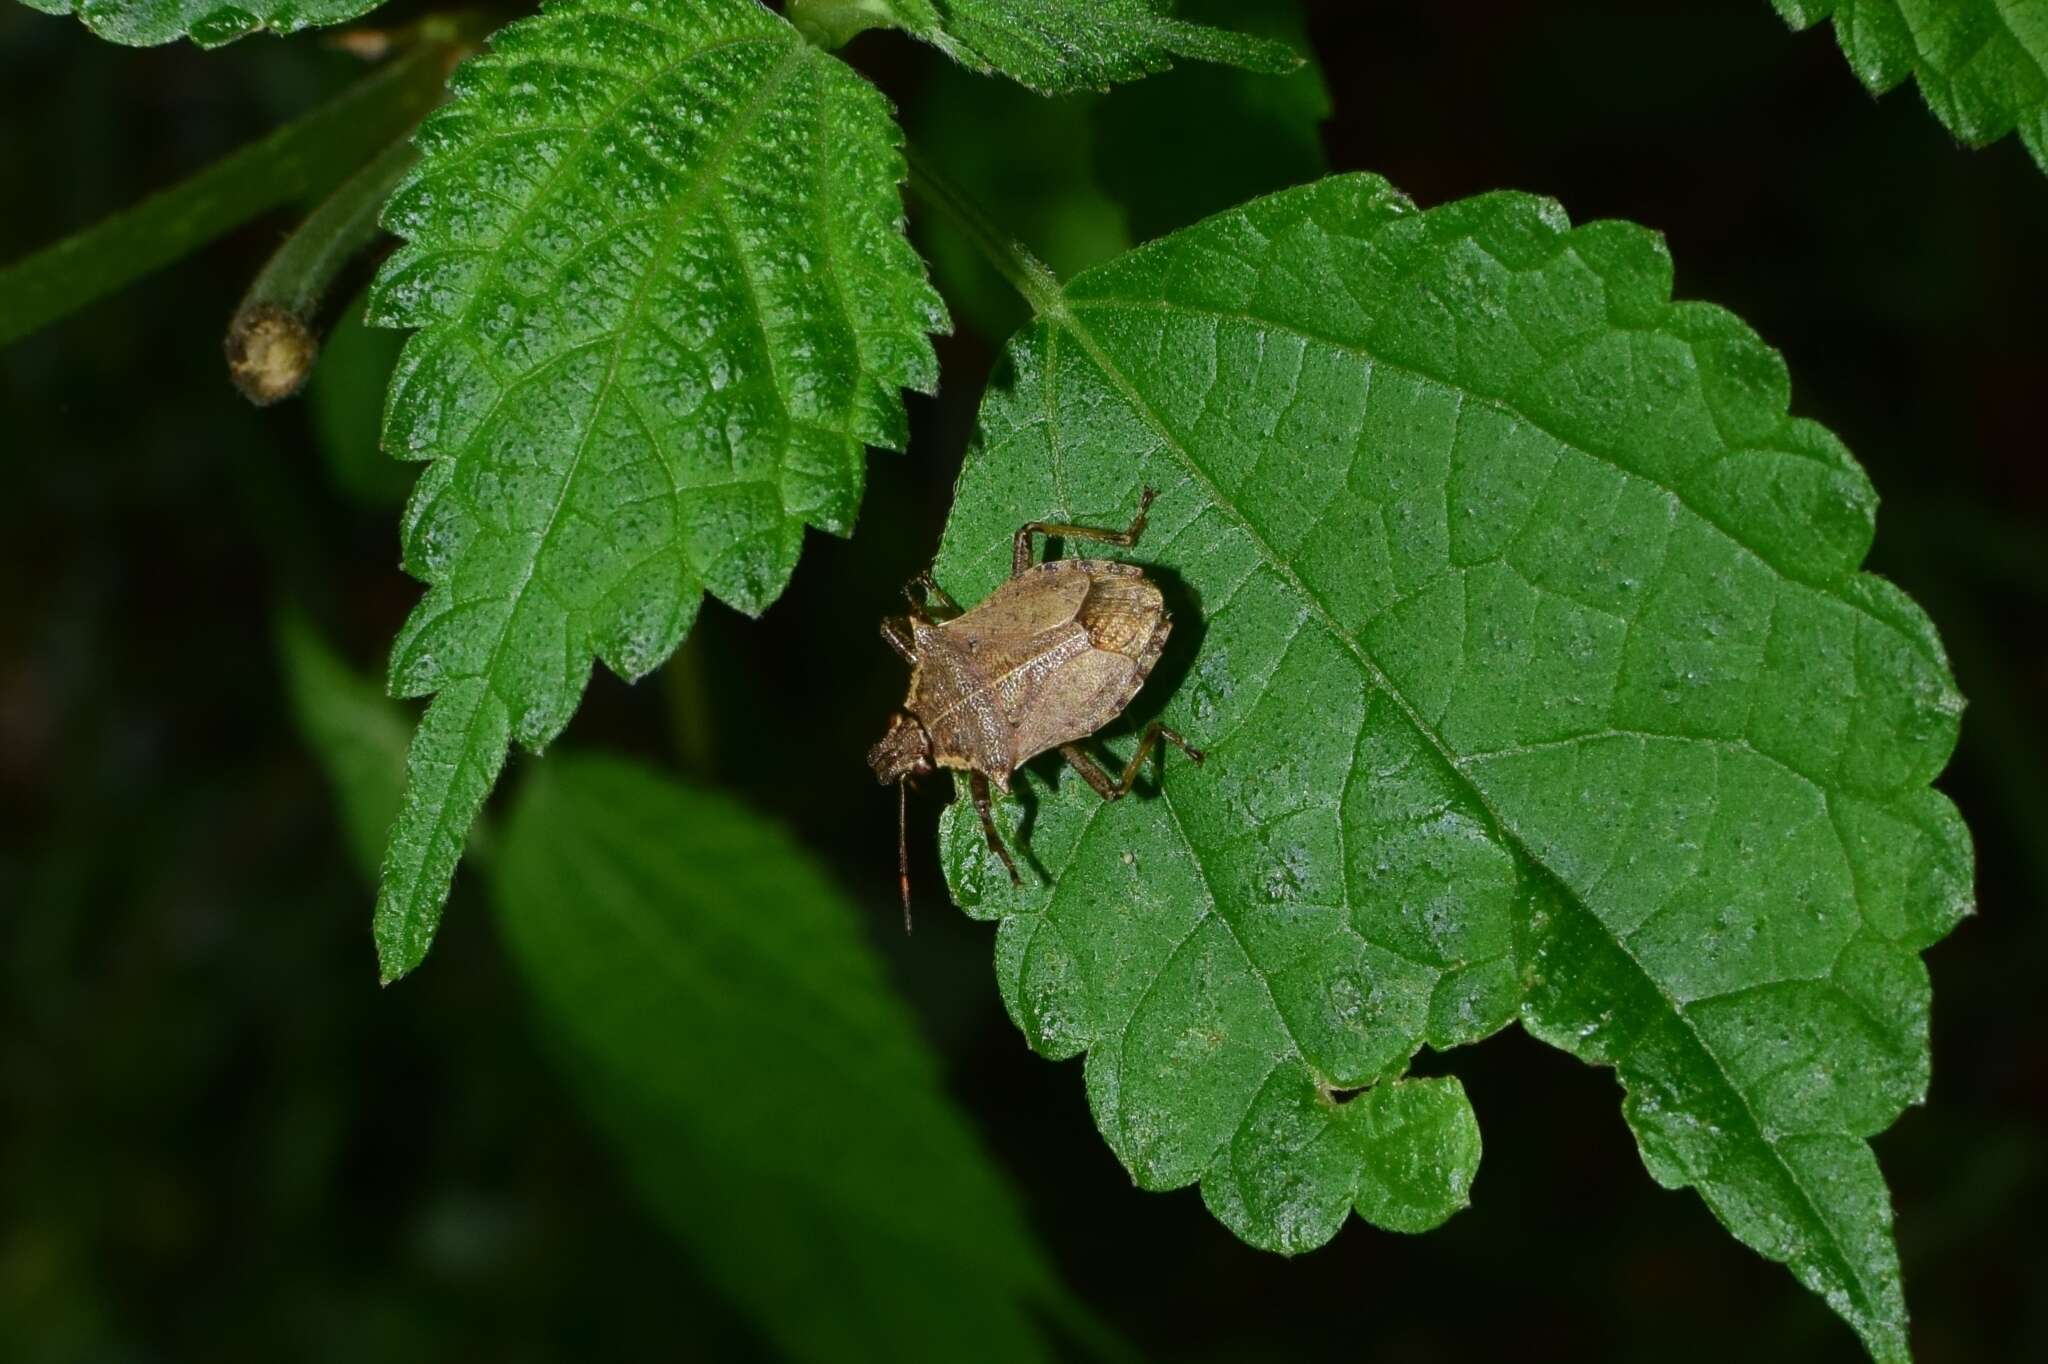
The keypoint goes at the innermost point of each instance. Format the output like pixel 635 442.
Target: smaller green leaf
pixel 663 302
pixel 1061 45
pixel 1982 64
pixel 356 731
pixel 209 23
pixel 721 1017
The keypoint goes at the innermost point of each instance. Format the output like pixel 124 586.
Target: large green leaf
pixel 1524 632
pixel 209 23
pixel 1982 64
pixel 1052 45
pixel 656 254
pixel 728 1027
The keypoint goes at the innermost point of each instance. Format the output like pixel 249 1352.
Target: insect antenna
pixel 903 846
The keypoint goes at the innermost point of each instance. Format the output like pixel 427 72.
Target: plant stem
pixel 1028 275
pixel 303 159
pixel 274 337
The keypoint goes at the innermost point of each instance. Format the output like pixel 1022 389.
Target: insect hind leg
pixel 1092 773
pixel 926 595
pixel 977 787
pixel 1020 553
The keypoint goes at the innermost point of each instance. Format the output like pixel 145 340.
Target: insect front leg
pixel 1020 554
pixel 1092 773
pixel 977 787
pixel 897 634
pixel 925 593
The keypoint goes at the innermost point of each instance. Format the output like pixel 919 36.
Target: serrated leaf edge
pixel 1881 1323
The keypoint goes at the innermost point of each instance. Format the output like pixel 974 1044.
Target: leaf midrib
pixel 1073 322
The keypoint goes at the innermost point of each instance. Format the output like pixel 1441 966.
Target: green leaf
pixel 209 23
pixel 720 1014
pixel 1982 64
pixel 355 730
pixel 657 257
pixel 1524 632
pixel 1061 45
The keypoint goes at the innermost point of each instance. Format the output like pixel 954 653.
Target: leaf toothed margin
pixel 1525 634
pixel 1982 65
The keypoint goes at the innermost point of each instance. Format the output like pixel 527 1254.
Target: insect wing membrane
pixel 1099 662
pixel 1080 696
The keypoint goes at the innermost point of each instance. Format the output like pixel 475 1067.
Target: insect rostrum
pixel 1050 657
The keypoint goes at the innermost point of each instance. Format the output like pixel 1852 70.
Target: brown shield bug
pixel 1049 658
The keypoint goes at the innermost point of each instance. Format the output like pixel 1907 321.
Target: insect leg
pixel 903 846
pixel 1020 554
pixel 977 787
pixel 897 634
pixel 1092 772
pixel 931 595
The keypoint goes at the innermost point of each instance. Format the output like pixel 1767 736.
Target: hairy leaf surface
pixel 1062 45
pixel 656 255
pixel 1981 64
pixel 1525 633
pixel 719 1013
pixel 209 23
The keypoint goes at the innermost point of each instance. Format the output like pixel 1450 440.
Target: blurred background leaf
pixel 719 1015
pixel 703 989
pixel 357 732
pixel 346 396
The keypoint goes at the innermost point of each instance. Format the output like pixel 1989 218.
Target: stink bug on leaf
pixel 1049 658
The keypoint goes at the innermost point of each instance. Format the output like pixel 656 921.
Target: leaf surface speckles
pixel 1981 64
pixel 1525 633
pixel 656 258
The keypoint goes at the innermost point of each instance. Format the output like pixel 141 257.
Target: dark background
pixel 219 1140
